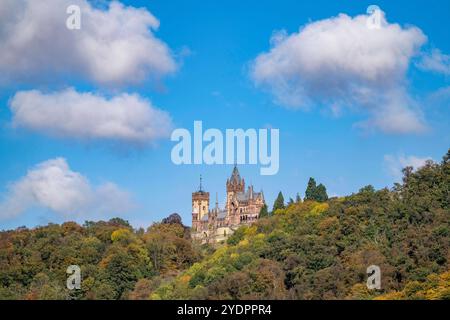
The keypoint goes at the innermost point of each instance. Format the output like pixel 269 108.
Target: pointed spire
pixel 235 176
pixel 217 202
pixel 200 189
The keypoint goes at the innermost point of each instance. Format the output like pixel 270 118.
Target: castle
pixel 241 208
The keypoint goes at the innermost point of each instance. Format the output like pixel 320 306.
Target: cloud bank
pixel 88 116
pixel 54 186
pixel 341 63
pixel 114 46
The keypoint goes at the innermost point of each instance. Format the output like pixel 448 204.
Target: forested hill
pixel 307 250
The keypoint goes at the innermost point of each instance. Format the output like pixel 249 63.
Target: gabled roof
pixel 250 194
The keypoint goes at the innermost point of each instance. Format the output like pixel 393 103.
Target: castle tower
pixel 200 206
pixel 235 185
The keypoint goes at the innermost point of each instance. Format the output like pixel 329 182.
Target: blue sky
pixel 214 45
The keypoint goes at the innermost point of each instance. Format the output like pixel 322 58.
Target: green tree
pixel 321 193
pixel 298 199
pixel 310 192
pixel 264 212
pixel 122 272
pixel 120 222
pixel 316 192
pixel 279 202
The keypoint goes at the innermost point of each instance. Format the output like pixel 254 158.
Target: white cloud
pixel 53 185
pixel 435 61
pixel 68 113
pixel 340 62
pixel 114 46
pixel 395 164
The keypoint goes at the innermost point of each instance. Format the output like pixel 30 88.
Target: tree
pixel 144 288
pixel 298 199
pixel 315 192
pixel 321 193
pixel 311 189
pixel 174 218
pixel 120 222
pixel 121 271
pixel 290 202
pixel 168 248
pixel 446 158
pixel 264 212
pixel 279 202
pixel 124 235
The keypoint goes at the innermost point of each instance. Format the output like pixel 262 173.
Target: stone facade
pixel 241 207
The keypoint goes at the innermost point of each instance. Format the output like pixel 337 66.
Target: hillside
pixel 307 250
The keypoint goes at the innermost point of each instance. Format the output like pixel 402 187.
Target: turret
pixel 200 206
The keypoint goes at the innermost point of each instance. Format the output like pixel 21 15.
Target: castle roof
pixel 250 194
pixel 221 215
pixel 235 176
